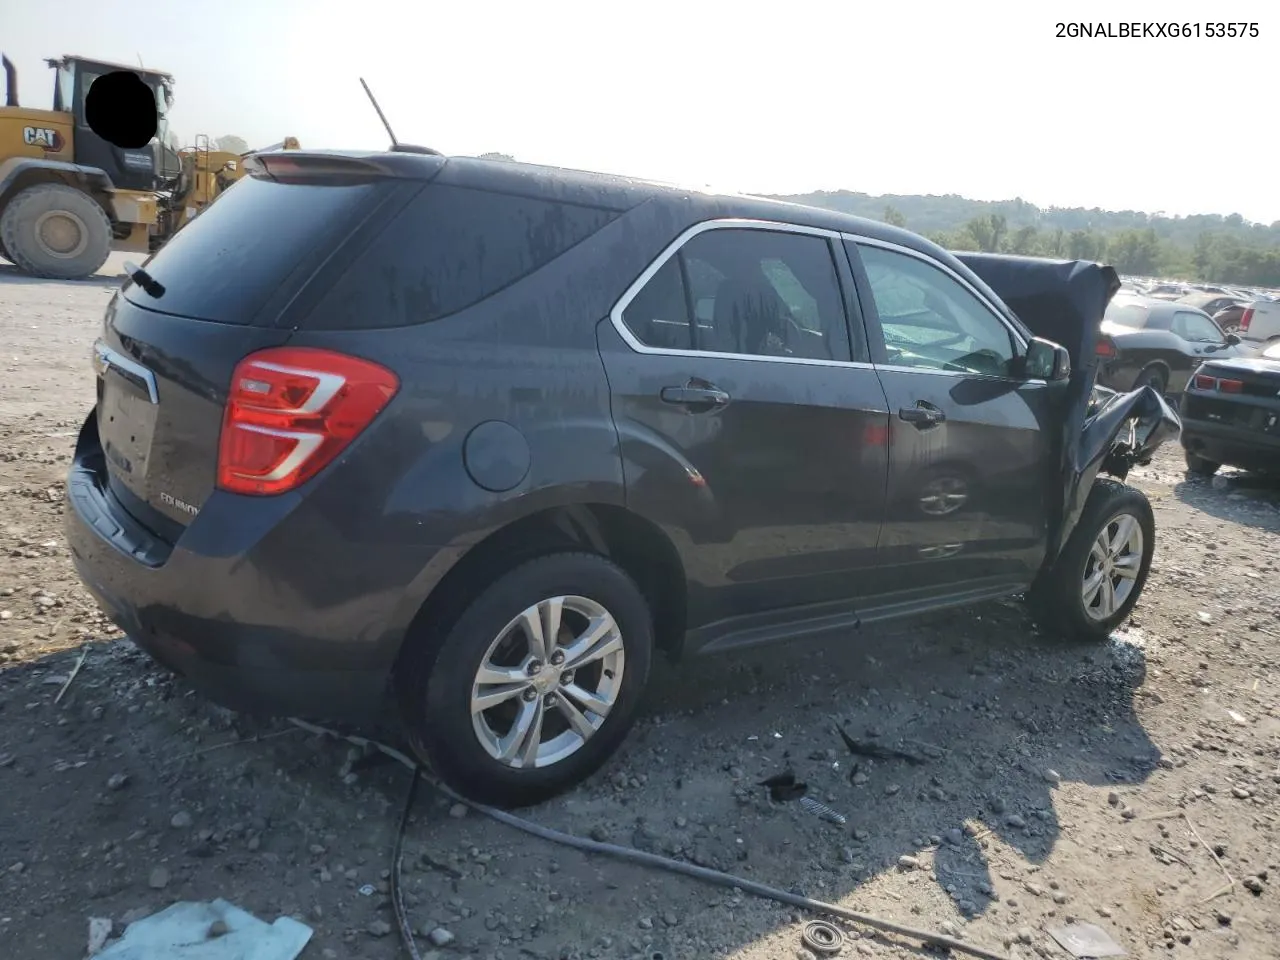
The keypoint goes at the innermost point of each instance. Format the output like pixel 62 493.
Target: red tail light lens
pixel 1245 319
pixel 1205 382
pixel 1106 348
pixel 291 411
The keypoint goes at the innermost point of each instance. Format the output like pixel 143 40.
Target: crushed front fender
pixel 1120 430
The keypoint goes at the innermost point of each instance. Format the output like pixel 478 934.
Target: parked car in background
pixel 1260 323
pixel 1231 414
pixel 577 421
pixel 1230 317
pixel 1210 301
pixel 1167 291
pixel 1157 343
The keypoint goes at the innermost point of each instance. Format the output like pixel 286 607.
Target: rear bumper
pixel 1235 446
pixel 247 606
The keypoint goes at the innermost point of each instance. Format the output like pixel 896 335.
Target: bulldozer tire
pixel 55 231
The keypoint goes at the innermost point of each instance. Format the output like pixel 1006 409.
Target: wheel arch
pixel 19 173
pixel 1157 364
pixel 637 545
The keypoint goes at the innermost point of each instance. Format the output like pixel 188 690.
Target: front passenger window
pixel 931 321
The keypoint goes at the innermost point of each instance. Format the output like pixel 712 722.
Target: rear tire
pixel 1200 466
pixel 1101 572
pixel 487 657
pixel 55 231
pixel 1152 377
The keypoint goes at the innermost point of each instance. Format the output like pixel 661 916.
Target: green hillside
pixel 1209 247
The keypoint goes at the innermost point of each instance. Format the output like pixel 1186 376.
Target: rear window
pixel 1127 315
pixel 449 248
pixel 226 264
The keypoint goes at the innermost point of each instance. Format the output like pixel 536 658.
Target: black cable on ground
pixel 397 858
pixel 636 856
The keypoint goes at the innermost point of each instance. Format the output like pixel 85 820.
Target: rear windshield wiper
pixel 148 283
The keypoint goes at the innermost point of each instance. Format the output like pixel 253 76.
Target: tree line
pixel 1208 247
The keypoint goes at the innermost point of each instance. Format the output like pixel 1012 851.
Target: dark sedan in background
pixel 1212 302
pixel 1231 414
pixel 1157 343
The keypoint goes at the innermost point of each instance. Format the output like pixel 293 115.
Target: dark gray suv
pixel 476 439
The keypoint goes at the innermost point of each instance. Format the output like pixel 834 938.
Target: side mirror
pixel 1232 340
pixel 1046 360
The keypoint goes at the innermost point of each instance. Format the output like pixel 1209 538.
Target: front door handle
pixel 695 397
pixel 923 414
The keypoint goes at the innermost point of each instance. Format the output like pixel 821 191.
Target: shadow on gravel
pixel 9 274
pixel 1236 495
pixel 1000 720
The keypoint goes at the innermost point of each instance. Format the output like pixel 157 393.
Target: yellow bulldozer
pixel 68 197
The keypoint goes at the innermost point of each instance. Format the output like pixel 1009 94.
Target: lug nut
pixel 534 668
pixel 557 658
pixel 530 695
pixel 567 677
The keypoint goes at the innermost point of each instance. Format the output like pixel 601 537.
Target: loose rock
pixel 441 937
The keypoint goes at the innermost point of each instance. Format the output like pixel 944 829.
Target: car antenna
pixel 396 145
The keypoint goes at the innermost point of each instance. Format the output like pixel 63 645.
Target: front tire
pixel 535 685
pixel 1200 466
pixel 55 231
pixel 1100 574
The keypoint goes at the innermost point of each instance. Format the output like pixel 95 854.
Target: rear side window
pixel 748 292
pixel 227 262
pixel 449 248
pixel 1127 315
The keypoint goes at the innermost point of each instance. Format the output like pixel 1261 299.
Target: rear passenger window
pixel 452 247
pixel 745 291
pixel 658 316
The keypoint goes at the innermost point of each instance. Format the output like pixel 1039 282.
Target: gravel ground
pixel 1041 768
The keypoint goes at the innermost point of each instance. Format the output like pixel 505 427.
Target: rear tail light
pixel 1205 382
pixel 1245 319
pixel 1106 348
pixel 291 411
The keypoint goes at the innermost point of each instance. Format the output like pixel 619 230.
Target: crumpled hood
pixel 1098 430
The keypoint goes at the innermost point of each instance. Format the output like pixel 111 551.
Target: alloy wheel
pixel 548 681
pixel 1111 568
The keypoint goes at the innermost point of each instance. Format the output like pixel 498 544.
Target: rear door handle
pixel 922 414
pixel 706 398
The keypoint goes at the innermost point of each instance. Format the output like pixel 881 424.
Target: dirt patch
pixel 1042 765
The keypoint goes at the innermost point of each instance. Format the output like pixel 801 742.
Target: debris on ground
pixel 1086 940
pixel 216 930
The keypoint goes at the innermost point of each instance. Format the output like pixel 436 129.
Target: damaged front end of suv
pixel 1098 430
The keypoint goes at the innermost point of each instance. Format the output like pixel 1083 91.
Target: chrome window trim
pixel 738 223
pixel 670 250
pixel 938 265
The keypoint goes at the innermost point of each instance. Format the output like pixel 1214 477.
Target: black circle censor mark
pixel 822 937
pixel 121 109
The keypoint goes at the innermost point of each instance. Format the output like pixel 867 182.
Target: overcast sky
pixel 973 98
